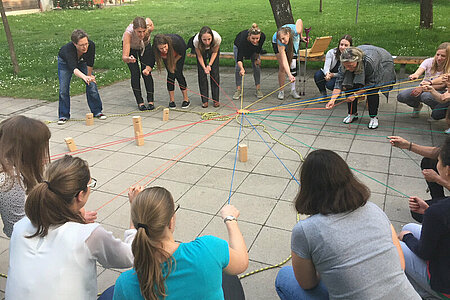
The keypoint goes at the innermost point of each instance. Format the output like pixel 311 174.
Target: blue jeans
pixel 322 84
pixel 415 267
pixel 256 69
pixel 288 288
pixel 92 95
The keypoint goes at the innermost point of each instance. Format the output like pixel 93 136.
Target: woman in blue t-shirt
pixel 166 269
pixel 285 43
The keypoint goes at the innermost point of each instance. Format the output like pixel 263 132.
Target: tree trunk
pixel 282 12
pixel 9 38
pixel 320 6
pixel 426 14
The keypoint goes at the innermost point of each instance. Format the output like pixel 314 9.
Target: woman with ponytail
pixel 166 269
pixel 53 252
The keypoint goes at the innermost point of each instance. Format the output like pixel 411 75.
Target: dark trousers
pixel 436 190
pixel 136 73
pixel 373 100
pixel 203 78
pixel 322 84
pixel 178 75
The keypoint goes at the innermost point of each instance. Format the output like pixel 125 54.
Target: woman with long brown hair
pixel 24 152
pixel 166 269
pixel 53 251
pixel 171 49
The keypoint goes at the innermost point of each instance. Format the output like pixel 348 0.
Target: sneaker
pixel 447 131
pixel 237 95
pixel 280 95
pixel 101 116
pixel 142 107
pixel 185 104
pixel 416 111
pixel 259 94
pixel 294 94
pixel 350 118
pixel 172 104
pixel 62 121
pixel 151 106
pixel 373 124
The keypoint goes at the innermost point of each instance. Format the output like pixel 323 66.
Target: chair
pixel 318 48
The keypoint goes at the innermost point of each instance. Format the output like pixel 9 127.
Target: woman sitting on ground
pixel 248 45
pixel 426 247
pixel 206 44
pixel 53 252
pixel 136 46
pixel 432 67
pixel 347 248
pixel 166 269
pixel 285 44
pixel 365 70
pixel 171 49
pixel 443 99
pixel 326 78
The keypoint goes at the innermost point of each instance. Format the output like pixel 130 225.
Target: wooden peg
pixel 243 152
pixel 137 124
pixel 166 114
pixel 70 144
pixel 89 119
pixel 139 138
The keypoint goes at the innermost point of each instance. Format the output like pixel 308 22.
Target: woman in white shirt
pixel 53 252
pixel 326 78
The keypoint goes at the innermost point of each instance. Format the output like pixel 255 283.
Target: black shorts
pixel 275 48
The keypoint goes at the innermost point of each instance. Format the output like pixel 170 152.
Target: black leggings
pixel 136 73
pixel 203 78
pixel 373 101
pixel 178 75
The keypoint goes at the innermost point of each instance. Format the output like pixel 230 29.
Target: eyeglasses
pixel 93 183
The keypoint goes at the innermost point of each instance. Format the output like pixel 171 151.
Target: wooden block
pixel 166 114
pixel 70 144
pixel 137 124
pixel 139 138
pixel 243 153
pixel 89 119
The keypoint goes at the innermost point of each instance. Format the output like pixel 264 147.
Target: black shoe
pixel 172 104
pixel 151 106
pixel 185 104
pixel 142 107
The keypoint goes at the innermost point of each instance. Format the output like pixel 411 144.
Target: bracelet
pixel 410 145
pixel 229 218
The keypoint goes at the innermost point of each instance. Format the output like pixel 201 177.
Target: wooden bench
pixel 401 60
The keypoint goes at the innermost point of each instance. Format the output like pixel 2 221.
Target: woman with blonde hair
pixel 136 46
pixel 166 269
pixel 285 44
pixel 24 152
pixel 248 45
pixel 53 251
pixel 171 49
pixel 433 67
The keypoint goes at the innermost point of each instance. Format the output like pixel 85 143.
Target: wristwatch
pixel 229 218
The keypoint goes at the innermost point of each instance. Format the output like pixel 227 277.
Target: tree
pixel 9 38
pixel 426 14
pixel 282 12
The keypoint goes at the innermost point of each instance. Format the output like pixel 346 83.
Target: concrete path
pixel 262 189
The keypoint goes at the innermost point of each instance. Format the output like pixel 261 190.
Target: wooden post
pixel 89 119
pixel 138 132
pixel 166 114
pixel 70 144
pixel 243 152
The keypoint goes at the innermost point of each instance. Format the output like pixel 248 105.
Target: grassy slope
pixel 37 37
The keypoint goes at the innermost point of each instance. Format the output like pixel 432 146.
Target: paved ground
pixel 200 182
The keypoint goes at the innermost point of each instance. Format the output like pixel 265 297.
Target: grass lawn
pixel 37 37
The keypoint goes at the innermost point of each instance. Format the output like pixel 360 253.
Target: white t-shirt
pixel 426 65
pixel 217 39
pixel 62 265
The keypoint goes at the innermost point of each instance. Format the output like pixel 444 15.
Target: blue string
pixel 293 177
pixel 235 159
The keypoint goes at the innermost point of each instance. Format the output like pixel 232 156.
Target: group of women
pixel 170 50
pixel 347 248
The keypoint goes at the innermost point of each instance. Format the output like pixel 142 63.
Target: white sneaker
pixel 416 111
pixel 373 124
pixel 281 95
pixel 101 116
pixel 294 94
pixel 447 131
pixel 237 95
pixel 62 121
pixel 349 119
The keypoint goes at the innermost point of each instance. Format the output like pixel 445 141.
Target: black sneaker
pixel 151 106
pixel 185 104
pixel 172 104
pixel 142 107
